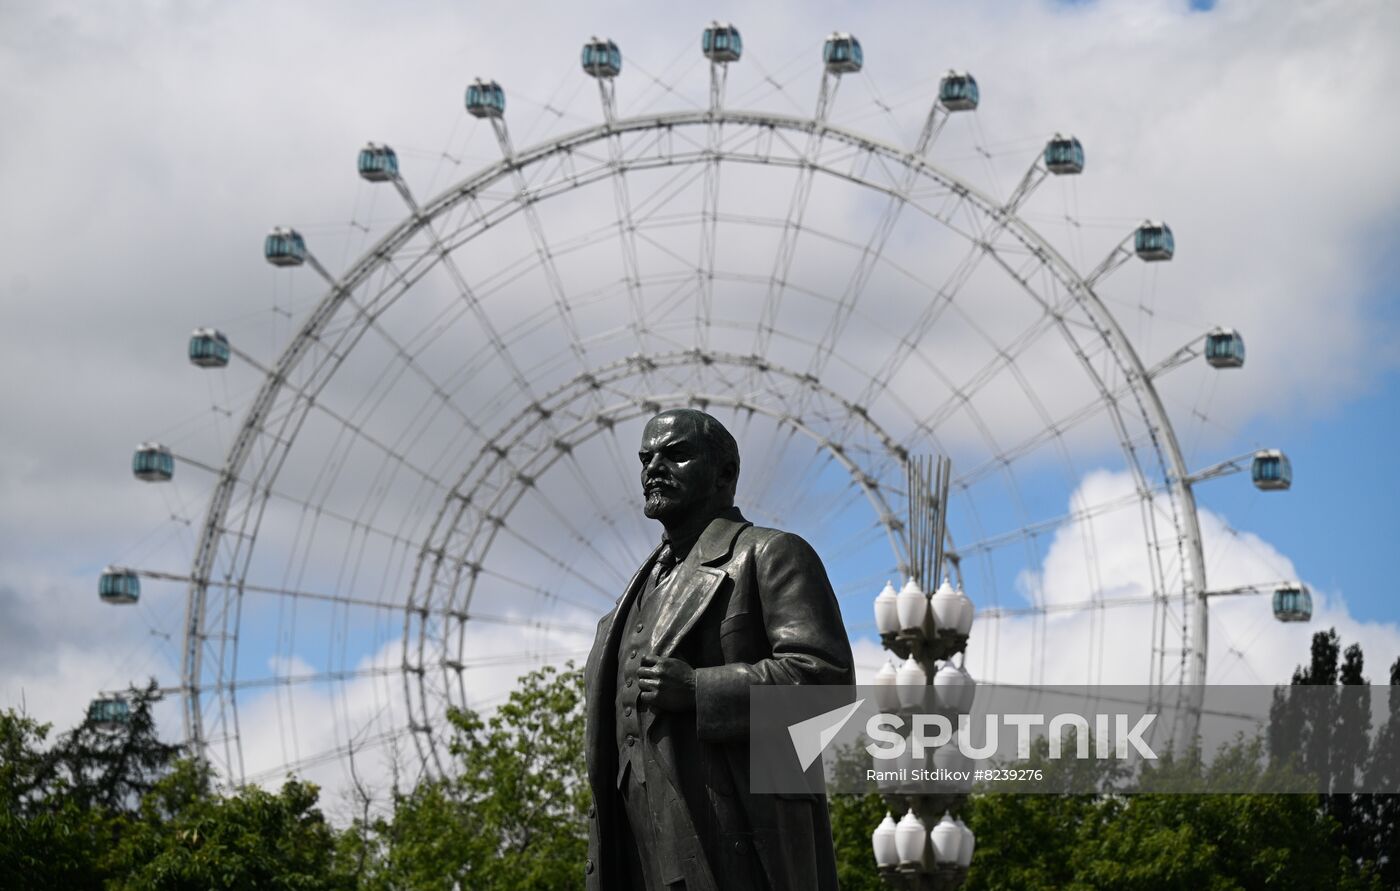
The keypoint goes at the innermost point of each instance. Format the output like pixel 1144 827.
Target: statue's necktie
pixel 665 562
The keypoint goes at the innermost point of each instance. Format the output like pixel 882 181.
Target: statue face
pixel 678 477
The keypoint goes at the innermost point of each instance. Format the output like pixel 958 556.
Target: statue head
pixel 690 466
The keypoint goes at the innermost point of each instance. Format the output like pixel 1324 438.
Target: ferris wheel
pixel 430 489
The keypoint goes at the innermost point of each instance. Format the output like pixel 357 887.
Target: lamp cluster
pixel 914 625
pixel 944 852
pixel 925 632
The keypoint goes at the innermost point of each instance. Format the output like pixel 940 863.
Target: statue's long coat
pixel 747 606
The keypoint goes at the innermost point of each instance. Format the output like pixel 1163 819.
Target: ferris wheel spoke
pixel 1053 430
pixel 941 301
pixel 309 399
pixel 302 594
pixel 558 449
pixel 560 564
pixel 473 304
pixel 518 658
pixel 1095 605
pixel 627 238
pixel 857 544
pixel 870 257
pixel 310 678
pixel 295 414
pixel 1003 360
pixel 610 442
pixel 545 593
pixel 787 243
pixel 628 493
pixel 1042 527
pixel 320 508
pixel 293 594
pixel 516 622
pixel 552 277
pixel 776 446
pixel 709 216
pixel 682 261
pixel 479 315
pixel 581 478
pixel 326 756
pixel 434 386
pixel 660 197
pixel 818 460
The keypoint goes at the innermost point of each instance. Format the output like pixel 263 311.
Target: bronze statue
pixel 719 606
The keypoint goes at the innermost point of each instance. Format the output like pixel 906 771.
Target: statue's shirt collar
pixel 680 547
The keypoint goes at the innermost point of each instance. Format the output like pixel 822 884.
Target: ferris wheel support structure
pixel 202 643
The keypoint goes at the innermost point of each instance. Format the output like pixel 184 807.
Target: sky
pixel 152 145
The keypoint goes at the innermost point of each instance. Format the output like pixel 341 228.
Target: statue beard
pixel 662 504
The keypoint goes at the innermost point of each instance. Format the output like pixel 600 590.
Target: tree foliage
pixel 1331 738
pixel 116 808
pixel 183 837
pixel 64 807
pixel 513 814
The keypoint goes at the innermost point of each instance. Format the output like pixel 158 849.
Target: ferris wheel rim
pixel 539 461
pixel 1082 292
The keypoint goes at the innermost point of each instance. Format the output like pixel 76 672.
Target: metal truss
pixel 475 512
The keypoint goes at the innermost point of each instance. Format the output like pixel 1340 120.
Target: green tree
pixel 1217 842
pixel 184 836
pixel 513 815
pixel 108 806
pixel 62 807
pixel 1157 840
pixel 46 840
pixel 1029 840
pixel 110 766
pixel 853 820
pixel 1328 735
pixel 1383 772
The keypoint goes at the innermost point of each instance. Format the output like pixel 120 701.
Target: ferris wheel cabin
pixel 209 348
pixel 842 54
pixel 1064 155
pixel 109 713
pixel 1154 241
pixel 119 586
pixel 378 163
pixel 486 99
pixel 1271 470
pixel 1225 348
pixel 1292 603
pixel 601 58
pixel 153 463
pixel 284 247
pixel 721 43
pixel 958 91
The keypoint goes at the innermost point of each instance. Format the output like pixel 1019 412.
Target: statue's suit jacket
pixel 747 606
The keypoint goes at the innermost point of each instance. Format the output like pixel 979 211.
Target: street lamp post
pixel 921 852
